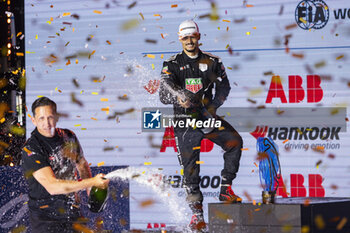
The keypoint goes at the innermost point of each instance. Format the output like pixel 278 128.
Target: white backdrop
pixel 108 41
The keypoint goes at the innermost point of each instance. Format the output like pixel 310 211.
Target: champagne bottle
pixel 97 199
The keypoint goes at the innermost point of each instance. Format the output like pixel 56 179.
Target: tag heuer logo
pixel 194 84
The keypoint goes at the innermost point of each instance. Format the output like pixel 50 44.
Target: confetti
pixel 81 228
pixel 77 125
pixel 256 165
pixel 143 18
pixel 225 20
pixel 151 56
pixel 68 62
pixel 340 57
pixel 94 93
pixel 152 66
pixel 20 54
pixel 147 163
pixel 37 161
pixel 29 115
pixel 302 20
pixel 174 6
pixel 182 172
pixel 44 206
pixel 104 99
pixel 298 55
pixel 342 223
pixel 247 33
pixel 285 141
pixel 242 149
pixel 196 148
pixel 249 5
pixel 291 26
pixel 100 164
pixel 151 41
pixel 161 56
pixel 257 209
pixel 108 42
pixel 287 228
pixel 199 162
pixel 2 120
pixel 130 24
pixel 27 151
pixel 146 203
pixel 97 12
pixel 132 5
pixel 320 224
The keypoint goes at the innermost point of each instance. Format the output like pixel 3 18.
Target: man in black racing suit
pixel 188 81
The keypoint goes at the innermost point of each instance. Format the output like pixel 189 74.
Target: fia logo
pixel 152 119
pixel 312 14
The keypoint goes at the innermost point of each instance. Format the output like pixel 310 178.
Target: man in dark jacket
pixel 188 81
pixel 51 159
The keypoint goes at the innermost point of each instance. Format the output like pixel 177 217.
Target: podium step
pixel 292 215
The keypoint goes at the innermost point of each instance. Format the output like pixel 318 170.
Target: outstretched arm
pixel 54 186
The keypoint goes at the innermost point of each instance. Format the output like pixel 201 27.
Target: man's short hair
pixel 44 101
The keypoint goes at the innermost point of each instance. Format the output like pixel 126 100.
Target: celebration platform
pixel 293 215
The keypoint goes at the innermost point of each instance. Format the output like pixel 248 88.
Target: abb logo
pixel 296 91
pixel 169 141
pixel 155 225
pixel 298 189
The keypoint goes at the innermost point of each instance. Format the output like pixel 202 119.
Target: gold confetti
pixel 146 203
pixel 161 56
pixel 83 128
pixel 247 33
pixel 174 6
pixel 2 120
pixel 147 163
pixel 130 24
pixel 37 161
pixel 340 57
pixel 302 20
pixel 108 42
pixel 196 148
pixel 249 5
pixel 287 228
pixel 225 20
pixel 49 22
pixel 59 69
pixel 66 14
pixel 68 62
pixel 228 113
pixel 18 34
pixel 44 206
pixel 151 56
pixel 257 209
pixel 199 162
pixel 81 228
pixel 221 128
pixel 76 61
pixel 27 150
pixel 320 224
pixel 97 12
pixel 152 66
pixel 254 27
pixel 342 223
pixel 100 164
pixel 30 116
pixel 93 118
pixel 104 99
pixel 242 149
pixel 254 202
pixel 305 229
pixel 285 141
pixel 94 93
pixel 77 125
pixel 182 172
pixel 20 54
pixel 143 18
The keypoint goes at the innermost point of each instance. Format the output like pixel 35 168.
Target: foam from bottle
pixel 153 178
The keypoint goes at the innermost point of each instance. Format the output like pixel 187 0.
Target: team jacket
pixel 196 78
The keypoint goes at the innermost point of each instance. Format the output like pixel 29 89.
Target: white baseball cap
pixel 188 28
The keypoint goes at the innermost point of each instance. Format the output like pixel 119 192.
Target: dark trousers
pixel 57 217
pixel 188 141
